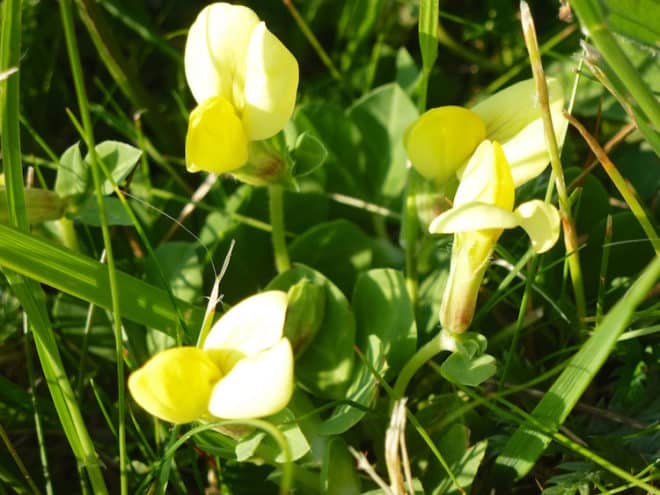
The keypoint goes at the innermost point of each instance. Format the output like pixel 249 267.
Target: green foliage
pixel 355 243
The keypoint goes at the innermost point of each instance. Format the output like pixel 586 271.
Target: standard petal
pixel 176 384
pixel 513 118
pixel 259 385
pixel 441 139
pixel 216 49
pixel 541 222
pixel 253 325
pixel 487 178
pixel 473 216
pixel 216 141
pixel 271 82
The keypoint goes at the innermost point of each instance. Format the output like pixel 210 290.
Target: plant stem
pixel 442 342
pixel 83 103
pixel 312 39
pixel 591 17
pixel 278 234
pixel 568 224
pixel 43 457
pixel 619 182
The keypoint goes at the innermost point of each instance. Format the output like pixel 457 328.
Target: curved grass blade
pixel 527 444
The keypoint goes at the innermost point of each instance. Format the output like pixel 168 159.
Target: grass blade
pixel 527 444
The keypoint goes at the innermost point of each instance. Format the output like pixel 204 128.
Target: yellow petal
pixel 216 50
pixel 216 141
pixel 513 118
pixel 176 384
pixel 473 216
pixel 541 222
pixel 271 82
pixel 487 178
pixel 259 385
pixel 253 325
pixel 440 141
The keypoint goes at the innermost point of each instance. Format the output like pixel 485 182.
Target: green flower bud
pixel 304 315
pixel 41 205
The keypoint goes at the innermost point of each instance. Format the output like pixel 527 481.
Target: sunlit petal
pixel 259 385
pixel 215 51
pixel 440 141
pixel 176 384
pixel 541 221
pixel 271 82
pixel 513 118
pixel 216 141
pixel 253 325
pixel 473 216
pixel 487 178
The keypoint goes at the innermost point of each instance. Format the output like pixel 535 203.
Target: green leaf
pixel 325 367
pixel 382 307
pixel 118 158
pixel 259 444
pixel 338 249
pixel 72 173
pixel 459 368
pixel 465 470
pixel 382 116
pixel 116 214
pixel 181 268
pixel 308 154
pixel 638 20
pixel 87 279
pixel 338 473
pixel 528 443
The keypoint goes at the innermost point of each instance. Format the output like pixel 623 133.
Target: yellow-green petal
pixel 258 385
pixel 441 139
pixel 253 325
pixel 215 53
pixel 271 82
pixel 473 216
pixel 487 178
pixel 541 222
pixel 216 140
pixel 176 384
pixel 513 118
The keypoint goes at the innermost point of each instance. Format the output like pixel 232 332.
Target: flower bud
pixel 41 205
pixel 304 314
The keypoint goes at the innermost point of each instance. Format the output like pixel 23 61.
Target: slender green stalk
pixel 428 43
pixel 312 39
pixel 278 234
pixel 29 293
pixel 83 103
pixel 568 224
pixel 604 263
pixel 18 461
pixel 620 183
pixel 425 353
pixel 29 362
pixel 592 19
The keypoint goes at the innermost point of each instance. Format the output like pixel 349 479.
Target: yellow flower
pixel 243 370
pixel 442 140
pixel 244 81
pixel 483 206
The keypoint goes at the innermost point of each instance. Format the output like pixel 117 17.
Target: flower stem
pixel 83 103
pixel 276 210
pixel 442 342
pixel 568 224
pixel 619 182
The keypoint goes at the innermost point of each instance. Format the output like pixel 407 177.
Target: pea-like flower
pixel 483 206
pixel 243 370
pixel 244 81
pixel 440 142
pixel 492 148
